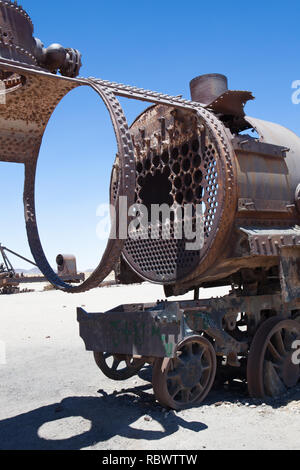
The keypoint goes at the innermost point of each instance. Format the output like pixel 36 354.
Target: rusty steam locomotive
pixel 245 175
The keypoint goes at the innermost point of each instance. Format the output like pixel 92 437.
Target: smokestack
pixel 206 88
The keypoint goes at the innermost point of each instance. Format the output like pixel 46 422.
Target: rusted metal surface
pixel 184 152
pixel 133 330
pixel 181 159
pixel 10 279
pixel 23 121
pixel 25 279
pixel 252 181
pixel 176 151
pixel 8 283
pixel 171 171
pixel 128 329
pixel 269 242
pixel 231 102
pixel 118 366
pixel 17 44
pixel 184 365
pixel 66 265
pixel 16 40
pixel 207 88
pixel 186 379
pixel 263 176
pixel 271 370
pixel 124 274
pixel 289 271
pixel 252 146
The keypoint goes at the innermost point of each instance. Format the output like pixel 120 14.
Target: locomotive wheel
pixel 270 369
pixel 186 379
pixel 109 364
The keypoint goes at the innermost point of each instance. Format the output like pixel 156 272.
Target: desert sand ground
pixel 52 395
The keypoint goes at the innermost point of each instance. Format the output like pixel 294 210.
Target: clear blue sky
pixel 159 45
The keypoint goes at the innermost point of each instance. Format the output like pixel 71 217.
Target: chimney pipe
pixel 206 88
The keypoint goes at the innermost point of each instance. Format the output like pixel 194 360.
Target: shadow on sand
pixel 109 415
pixel 113 415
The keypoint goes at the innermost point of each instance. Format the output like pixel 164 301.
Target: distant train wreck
pixel 10 280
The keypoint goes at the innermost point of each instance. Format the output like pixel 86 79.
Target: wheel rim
pixel 271 370
pixel 118 366
pixel 187 378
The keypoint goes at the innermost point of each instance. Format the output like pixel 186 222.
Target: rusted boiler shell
pixel 246 185
pixel 270 181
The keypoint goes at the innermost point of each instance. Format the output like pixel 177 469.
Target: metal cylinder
pixel 245 185
pixel 206 88
pixel 16 40
pixel 17 44
pixel 66 265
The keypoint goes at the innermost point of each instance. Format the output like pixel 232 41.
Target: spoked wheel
pixel 118 366
pixel 186 379
pixel 272 369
